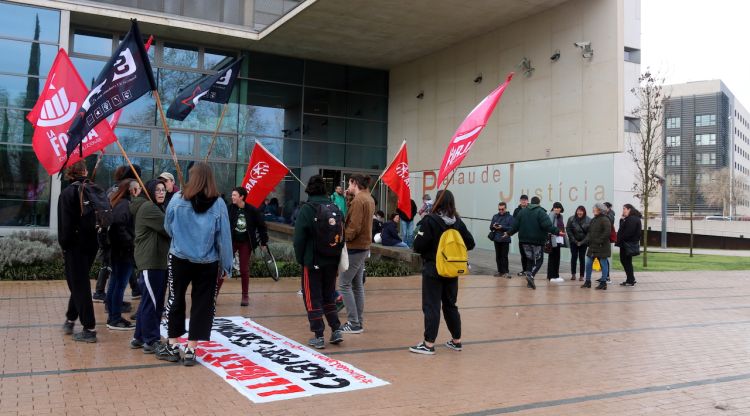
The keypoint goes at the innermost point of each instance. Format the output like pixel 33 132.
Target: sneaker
pixel 169 353
pixel 336 337
pixel 455 346
pixel 317 342
pixel 136 343
pixel 99 297
pixel 188 357
pixel 530 281
pixel 151 348
pixel 121 325
pixel 558 280
pixel 299 292
pixel 421 348
pixel 521 274
pixel 85 336
pixel 67 327
pixel 508 276
pixel 339 303
pixel 609 281
pixel 350 328
pixel 245 301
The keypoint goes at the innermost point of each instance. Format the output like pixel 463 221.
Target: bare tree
pixel 715 189
pixel 647 150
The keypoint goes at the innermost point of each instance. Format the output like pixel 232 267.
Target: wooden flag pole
pixel 96 166
pixel 169 139
pixel 437 202
pixel 295 177
pixel 137 177
pixel 218 126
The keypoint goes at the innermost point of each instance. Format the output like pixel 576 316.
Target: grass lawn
pixel 663 262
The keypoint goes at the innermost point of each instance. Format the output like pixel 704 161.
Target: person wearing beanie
pixel 597 240
pixel 523 202
pixel 553 264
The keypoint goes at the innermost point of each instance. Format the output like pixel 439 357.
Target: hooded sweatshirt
pixel 151 239
pixel 431 227
pixel 533 225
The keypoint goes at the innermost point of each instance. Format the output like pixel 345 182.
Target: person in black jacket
pixel 247 225
pixel 122 243
pixel 523 202
pixel 628 239
pixel 389 234
pixel 407 224
pixel 77 237
pixel 437 289
pixel 501 222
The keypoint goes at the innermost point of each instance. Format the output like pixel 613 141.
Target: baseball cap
pixel 167 176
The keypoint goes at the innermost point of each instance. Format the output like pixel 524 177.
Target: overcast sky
pixel 692 40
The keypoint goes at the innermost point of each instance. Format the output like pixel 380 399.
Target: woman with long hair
pixel 599 247
pixel 200 250
pixel 629 239
pixel 437 290
pixel 577 229
pixel 121 239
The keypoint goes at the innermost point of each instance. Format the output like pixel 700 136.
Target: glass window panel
pixel 269 109
pixel 329 129
pixel 364 157
pixel 212 57
pixel 24 188
pixel 370 133
pixel 14 128
pixel 110 162
pixel 233 12
pixel 321 74
pixel 223 147
pixel 13 91
pixel 370 107
pixel 226 179
pixel 178 55
pixel 89 69
pixel 325 102
pixel 26 59
pixel 92 43
pixel 205 115
pixel 133 140
pixel 141 112
pixel 274 67
pixel 184 144
pixel 322 154
pixel 367 80
pixel 173 6
pixel 167 165
pixel 155 5
pixel 20 22
pixel 286 150
pixel 201 9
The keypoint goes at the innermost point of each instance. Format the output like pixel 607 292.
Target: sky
pixel 693 40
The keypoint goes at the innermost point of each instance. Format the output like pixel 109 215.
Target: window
pixel 673 160
pixel 632 55
pixel 673 123
pixel 705 139
pixel 705 158
pixel 705 120
pixel 632 125
pixel 673 141
pixel 673 180
pixel 702 178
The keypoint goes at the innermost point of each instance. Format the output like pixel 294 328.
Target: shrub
pixel 387 268
pixel 22 257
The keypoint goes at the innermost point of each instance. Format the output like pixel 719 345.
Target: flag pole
pixel 389 165
pixel 169 138
pixel 295 177
pixel 218 126
pixel 132 168
pixel 437 202
pixel 96 166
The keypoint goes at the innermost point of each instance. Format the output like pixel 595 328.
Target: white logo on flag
pixel 259 170
pixel 124 66
pixel 225 79
pixel 467 135
pixel 402 170
pixel 57 110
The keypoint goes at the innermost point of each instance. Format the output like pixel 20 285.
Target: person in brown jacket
pixel 358 236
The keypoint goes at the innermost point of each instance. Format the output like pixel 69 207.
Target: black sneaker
pixel 169 353
pixel 421 348
pixel 530 281
pixel 317 342
pixel 188 358
pixel 67 327
pixel 136 343
pixel 455 346
pixel 121 325
pixel 336 337
pixel 151 348
pixel 99 297
pixel 85 336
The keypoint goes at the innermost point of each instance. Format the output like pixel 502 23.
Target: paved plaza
pixel 675 344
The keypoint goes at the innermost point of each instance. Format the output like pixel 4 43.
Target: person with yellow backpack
pixel 443 242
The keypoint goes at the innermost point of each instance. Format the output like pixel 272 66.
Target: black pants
pixel 153 284
pixel 437 290
pixel 77 267
pixel 524 259
pixel 202 276
pixel 578 254
pixel 319 295
pixel 501 257
pixel 627 264
pixel 553 263
pixel 103 275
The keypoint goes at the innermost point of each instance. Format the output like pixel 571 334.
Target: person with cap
pixel 557 240
pixel 172 188
pixel 599 247
pixel 523 202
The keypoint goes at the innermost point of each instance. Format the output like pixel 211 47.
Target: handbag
pixel 548 244
pixel 491 236
pixel 631 248
pixel 344 260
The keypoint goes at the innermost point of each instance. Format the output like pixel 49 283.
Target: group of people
pixel 589 240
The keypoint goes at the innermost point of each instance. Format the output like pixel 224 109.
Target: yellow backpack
pixel 452 259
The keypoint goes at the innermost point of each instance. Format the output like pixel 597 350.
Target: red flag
pixel 264 172
pixel 396 176
pixel 54 112
pixel 469 130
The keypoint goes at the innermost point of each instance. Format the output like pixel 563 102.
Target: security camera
pixel 478 79
pixel 420 95
pixel 582 44
pixel 555 56
pixel 586 49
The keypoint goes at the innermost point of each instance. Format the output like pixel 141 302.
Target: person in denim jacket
pixel 201 250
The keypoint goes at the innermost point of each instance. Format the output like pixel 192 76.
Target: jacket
pixel 340 201
pixel 151 239
pixel 256 225
pixel 74 231
pixel 358 228
pixel 431 227
pixel 389 234
pixel 553 220
pixel 518 210
pixel 506 223
pixel 404 217
pixel 200 230
pixel 533 225
pixel 630 230
pixel 598 237
pixel 122 232
pixel 304 235
pixel 577 228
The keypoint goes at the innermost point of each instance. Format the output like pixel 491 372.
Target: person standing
pixel 500 223
pixel 577 229
pixel 151 251
pixel 407 224
pixel 389 234
pixel 599 247
pixel 553 263
pixel 533 226
pixel 121 238
pixel 339 199
pixel 629 239
pixel 358 236
pixel 426 205
pixel 318 270
pixel 198 222
pixel 172 188
pixel 77 236
pixel 439 291
pixel 248 226
pixel 612 233
pixel 523 202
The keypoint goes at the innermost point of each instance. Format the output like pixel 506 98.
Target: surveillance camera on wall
pixel 555 56
pixel 420 95
pixel 585 46
pixel 582 44
pixel 478 79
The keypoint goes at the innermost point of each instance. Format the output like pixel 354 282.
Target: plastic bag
pixel 597 266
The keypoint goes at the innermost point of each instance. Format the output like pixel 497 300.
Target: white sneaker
pixel 558 280
pixel 299 292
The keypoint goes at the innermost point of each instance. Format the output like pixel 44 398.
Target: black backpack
pixel 328 224
pixel 96 210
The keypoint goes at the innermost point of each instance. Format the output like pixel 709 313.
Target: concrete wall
pixel 566 108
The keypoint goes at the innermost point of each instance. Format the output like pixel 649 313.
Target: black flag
pixel 216 88
pixel 125 78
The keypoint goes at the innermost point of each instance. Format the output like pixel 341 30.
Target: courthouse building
pixel 334 87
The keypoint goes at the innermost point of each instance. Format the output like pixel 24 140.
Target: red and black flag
pixel 125 78
pixel 216 88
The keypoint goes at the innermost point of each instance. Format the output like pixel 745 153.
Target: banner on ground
pixel 264 172
pixel 396 176
pixel 469 130
pixel 265 366
pixel 216 88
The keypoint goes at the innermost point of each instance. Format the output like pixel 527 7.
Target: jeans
pixel 118 281
pixel 401 244
pixel 534 258
pixel 577 254
pixel 590 265
pixel 352 289
pixel 627 264
pixel 407 231
pixel 501 257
